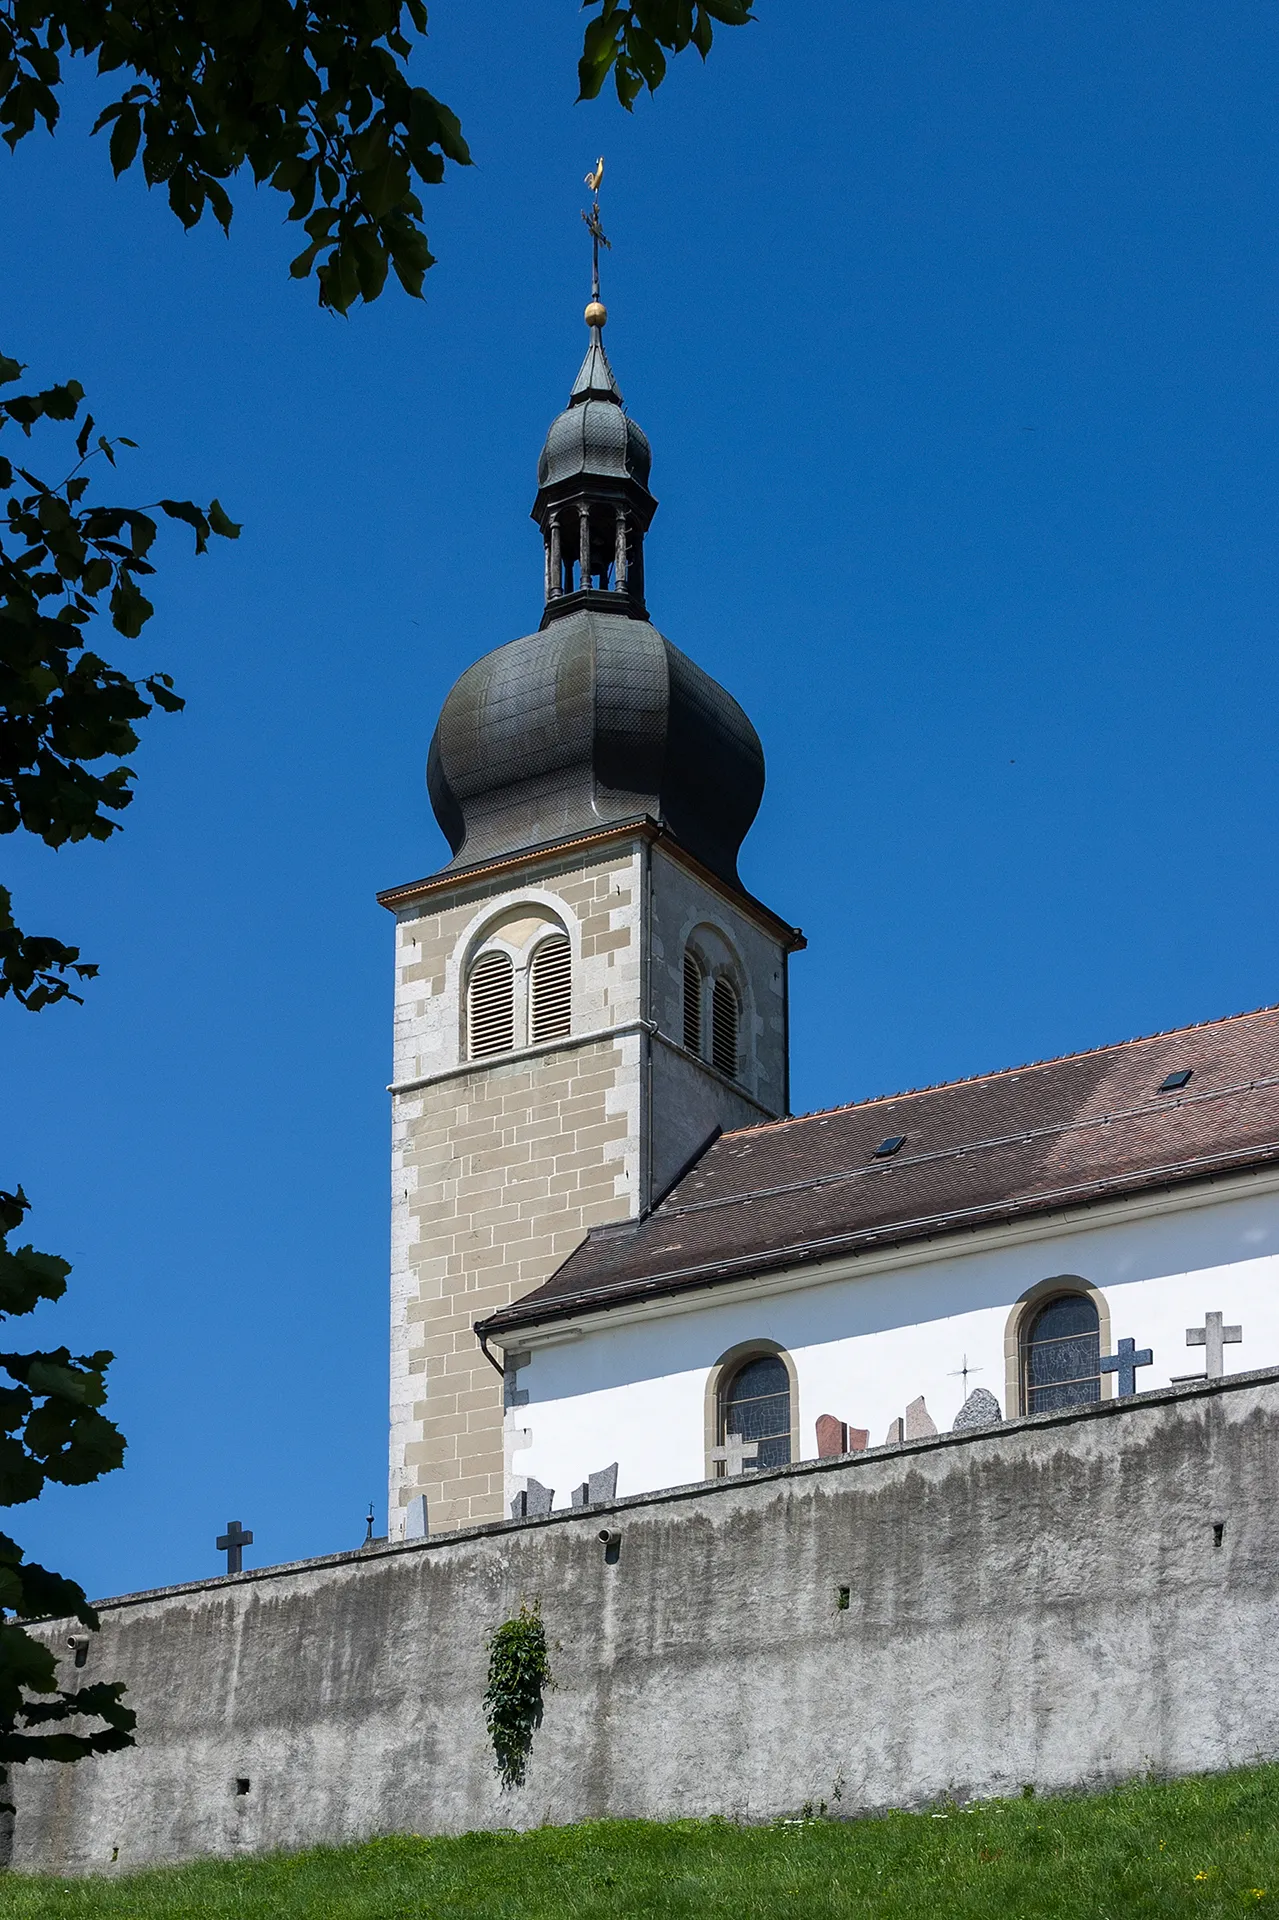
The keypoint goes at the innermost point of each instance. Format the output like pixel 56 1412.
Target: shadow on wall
pixel 1215 1236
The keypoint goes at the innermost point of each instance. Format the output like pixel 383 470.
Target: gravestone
pixel 1214 1337
pixel 736 1454
pixel 1124 1362
pixel 980 1409
pixel 535 1502
pixel 232 1543
pixel 919 1422
pixel 598 1487
pixel 836 1437
pixel 896 1433
pixel 415 1520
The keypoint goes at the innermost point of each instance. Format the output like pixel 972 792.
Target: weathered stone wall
pixel 1065 1600
pixel 499 1168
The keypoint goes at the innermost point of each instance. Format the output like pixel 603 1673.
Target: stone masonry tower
pixel 586 993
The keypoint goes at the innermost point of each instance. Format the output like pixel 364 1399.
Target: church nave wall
pixel 879 1333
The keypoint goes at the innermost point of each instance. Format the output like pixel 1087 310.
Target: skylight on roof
pixel 1176 1081
pixel 888 1147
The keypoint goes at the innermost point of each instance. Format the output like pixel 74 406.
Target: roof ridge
pixel 994 1073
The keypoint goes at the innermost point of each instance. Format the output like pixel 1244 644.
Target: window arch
pixel 490 1005
pixel 692 1002
pixel 1061 1353
pixel 550 990
pixel 725 1021
pixel 755 1405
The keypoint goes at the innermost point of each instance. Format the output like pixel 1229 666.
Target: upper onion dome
pixel 596 718
pixel 593 435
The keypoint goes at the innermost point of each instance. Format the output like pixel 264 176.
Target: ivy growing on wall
pixel 519 1674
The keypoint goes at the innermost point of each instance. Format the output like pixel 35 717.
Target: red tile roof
pixel 1057 1134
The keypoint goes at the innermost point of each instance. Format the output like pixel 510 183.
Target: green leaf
pixel 125 135
pixel 130 609
pixel 219 523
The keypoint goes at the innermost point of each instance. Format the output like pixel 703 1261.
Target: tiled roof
pixel 1057 1134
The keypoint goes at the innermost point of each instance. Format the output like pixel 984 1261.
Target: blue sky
pixel 954 331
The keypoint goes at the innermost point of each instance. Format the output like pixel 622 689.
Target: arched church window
pixel 755 1404
pixel 692 1002
pixel 1062 1355
pixel 724 1022
pixel 550 990
pixel 490 1006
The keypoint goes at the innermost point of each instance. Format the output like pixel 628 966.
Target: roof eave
pixel 521 1320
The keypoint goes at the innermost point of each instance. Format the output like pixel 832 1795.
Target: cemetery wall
pixel 1062 1600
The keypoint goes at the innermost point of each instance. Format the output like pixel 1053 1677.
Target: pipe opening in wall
pixel 241 1785
pixel 843 1598
pixel 612 1545
pixel 1218 1532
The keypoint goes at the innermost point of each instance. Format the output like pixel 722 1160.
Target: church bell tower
pixel 586 993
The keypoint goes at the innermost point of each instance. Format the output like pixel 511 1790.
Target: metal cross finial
pixel 962 1372
pixel 232 1543
pixel 1125 1363
pixel 1214 1337
pixel 736 1454
pixel 368 1524
pixel 598 236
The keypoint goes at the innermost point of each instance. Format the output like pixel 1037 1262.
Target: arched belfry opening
pixel 593 504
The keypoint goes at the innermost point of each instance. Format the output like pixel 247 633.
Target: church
pixel 620 1264
pixel 920 1449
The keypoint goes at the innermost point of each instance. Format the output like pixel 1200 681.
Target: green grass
pixel 1205 1847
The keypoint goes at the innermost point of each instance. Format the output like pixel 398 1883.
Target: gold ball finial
pixel 596 314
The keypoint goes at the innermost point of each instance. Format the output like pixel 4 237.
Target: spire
pixel 593 504
pixel 595 380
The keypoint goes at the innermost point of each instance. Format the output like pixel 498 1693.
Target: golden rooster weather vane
pixel 596 312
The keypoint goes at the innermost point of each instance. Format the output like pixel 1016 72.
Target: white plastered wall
pixel 866 1345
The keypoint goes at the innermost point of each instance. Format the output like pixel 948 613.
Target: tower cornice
pixel 451 880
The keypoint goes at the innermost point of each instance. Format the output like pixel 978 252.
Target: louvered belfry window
pixel 490 1006
pixel 551 990
pixel 692 1002
pixel 724 1028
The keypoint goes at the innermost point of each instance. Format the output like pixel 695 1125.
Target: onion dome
pixel 596 718
pixel 593 436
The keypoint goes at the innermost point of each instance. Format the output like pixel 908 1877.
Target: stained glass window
pixel 1062 1355
pixel 756 1404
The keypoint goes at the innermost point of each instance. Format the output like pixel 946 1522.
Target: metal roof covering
pixel 595 718
pixel 1000 1147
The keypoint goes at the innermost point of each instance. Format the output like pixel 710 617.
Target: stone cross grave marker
pixel 1214 1337
pixel 737 1454
pixel 1125 1364
pixel 232 1543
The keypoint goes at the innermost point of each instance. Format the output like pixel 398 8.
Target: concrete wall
pixel 1049 1601
pixel 868 1335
